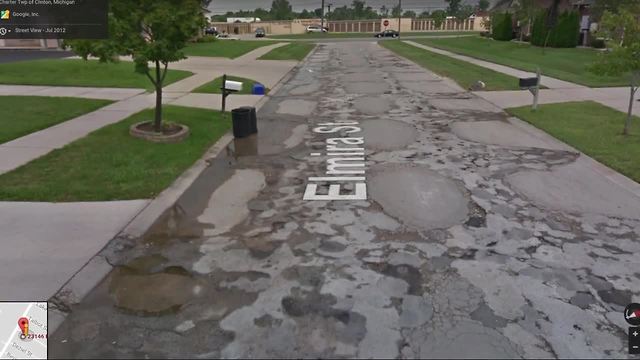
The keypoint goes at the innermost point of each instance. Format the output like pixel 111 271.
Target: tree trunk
pixel 627 123
pixel 157 123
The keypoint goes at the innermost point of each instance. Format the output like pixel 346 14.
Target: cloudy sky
pixel 222 6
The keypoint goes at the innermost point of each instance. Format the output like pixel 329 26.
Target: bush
pixel 502 27
pixel 598 43
pixel 565 34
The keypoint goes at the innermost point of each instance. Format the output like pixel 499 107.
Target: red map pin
pixel 23 322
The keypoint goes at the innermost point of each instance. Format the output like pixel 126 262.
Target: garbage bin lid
pixel 242 109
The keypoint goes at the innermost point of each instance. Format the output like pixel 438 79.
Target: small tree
pixel 151 32
pixel 439 17
pixel 464 12
pixel 453 7
pixel 483 5
pixel 396 11
pixel 623 29
pixel 525 12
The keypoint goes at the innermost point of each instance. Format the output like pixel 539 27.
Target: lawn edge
pixel 107 103
pixel 98 267
pixel 261 58
pixel 617 178
pixel 443 76
pixel 521 69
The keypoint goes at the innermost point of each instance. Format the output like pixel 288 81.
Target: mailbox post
pixel 533 85
pixel 228 88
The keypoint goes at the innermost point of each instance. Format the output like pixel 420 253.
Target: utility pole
pixel 322 20
pixel 329 10
pixel 399 16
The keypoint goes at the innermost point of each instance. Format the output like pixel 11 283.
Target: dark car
pixel 387 33
pixel 260 32
pixel 211 31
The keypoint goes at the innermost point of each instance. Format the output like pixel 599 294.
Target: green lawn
pixel 214 86
pixel 462 72
pixel 225 48
pixel 60 72
pixel 294 51
pixel 335 35
pixel 109 164
pixel 565 64
pixel 22 115
pixel 591 128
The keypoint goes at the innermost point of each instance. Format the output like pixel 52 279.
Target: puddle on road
pixel 136 289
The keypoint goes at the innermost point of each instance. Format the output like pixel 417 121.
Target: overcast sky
pixel 222 6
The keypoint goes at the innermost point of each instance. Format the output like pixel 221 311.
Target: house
pixel 511 5
pixel 582 6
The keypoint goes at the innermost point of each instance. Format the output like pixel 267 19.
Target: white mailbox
pixel 233 85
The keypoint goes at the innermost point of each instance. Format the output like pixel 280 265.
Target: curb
pixel 98 267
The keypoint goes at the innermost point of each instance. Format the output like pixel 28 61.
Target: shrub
pixel 565 34
pixel 502 27
pixel 598 43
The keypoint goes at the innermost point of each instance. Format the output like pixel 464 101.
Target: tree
pixel 318 12
pixel 439 17
pixel 424 15
pixel 410 14
pixel 483 5
pixel 396 11
pixel 281 10
pixel 384 11
pixel 612 6
pixel 624 30
pixel 525 12
pixel 150 31
pixel 454 7
pixel 305 14
pixel 358 9
pixel 465 11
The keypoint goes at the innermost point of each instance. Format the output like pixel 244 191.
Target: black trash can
pixel 253 117
pixel 241 118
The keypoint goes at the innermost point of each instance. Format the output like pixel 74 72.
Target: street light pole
pixel 322 20
pixel 399 16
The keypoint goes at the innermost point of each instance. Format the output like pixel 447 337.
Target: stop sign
pixel 386 23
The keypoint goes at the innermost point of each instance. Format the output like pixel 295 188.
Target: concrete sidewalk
pixel 45 244
pixel 115 94
pixel 49 243
pixel 559 91
pixel 547 81
pixel 20 151
pixel 616 98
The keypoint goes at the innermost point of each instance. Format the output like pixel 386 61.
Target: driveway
pixel 458 233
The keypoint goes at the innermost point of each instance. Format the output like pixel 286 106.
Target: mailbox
pixel 527 83
pixel 232 85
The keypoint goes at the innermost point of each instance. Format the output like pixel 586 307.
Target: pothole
pixel 154 294
pixel 388 134
pixel 419 197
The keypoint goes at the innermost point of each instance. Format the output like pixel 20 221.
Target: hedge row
pixel 565 34
pixel 502 27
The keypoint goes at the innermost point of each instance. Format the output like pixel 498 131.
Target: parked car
pixel 387 33
pixel 316 29
pixel 260 33
pixel 211 31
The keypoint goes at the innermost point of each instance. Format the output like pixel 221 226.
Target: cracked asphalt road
pixel 457 252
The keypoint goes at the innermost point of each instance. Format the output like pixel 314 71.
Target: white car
pixel 316 29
